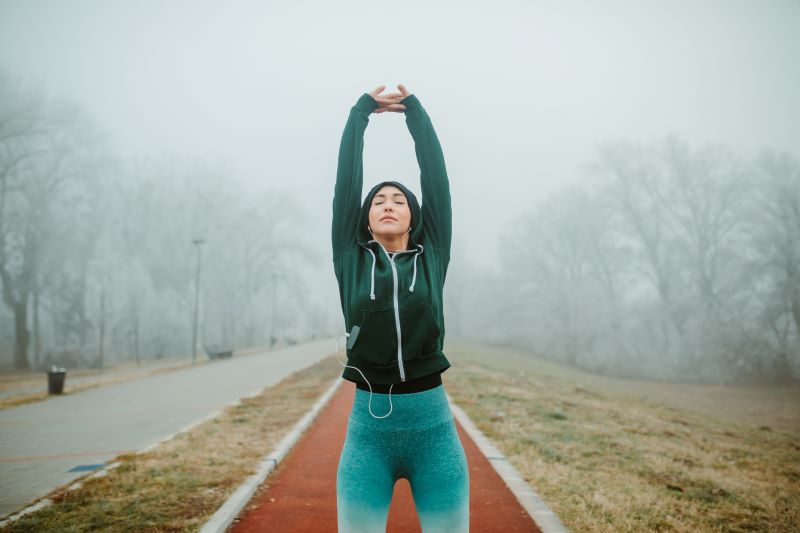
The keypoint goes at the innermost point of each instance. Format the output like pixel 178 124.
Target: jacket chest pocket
pixel 376 343
pixel 420 331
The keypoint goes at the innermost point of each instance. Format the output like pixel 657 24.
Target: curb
pixel 227 513
pixel 546 519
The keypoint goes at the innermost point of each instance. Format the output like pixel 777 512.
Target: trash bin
pixel 55 380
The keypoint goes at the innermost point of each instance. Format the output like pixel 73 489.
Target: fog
pixel 617 172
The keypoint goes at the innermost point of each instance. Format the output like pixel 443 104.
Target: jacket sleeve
pixel 436 210
pixel 350 176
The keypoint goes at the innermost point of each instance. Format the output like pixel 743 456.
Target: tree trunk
pixel 37 329
pixel 21 329
pixel 136 341
pixel 783 370
pixel 795 305
pixel 102 326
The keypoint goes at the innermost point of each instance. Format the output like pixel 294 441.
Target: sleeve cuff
pixel 411 102
pixel 366 103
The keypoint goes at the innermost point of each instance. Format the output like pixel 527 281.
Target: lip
pixel 388 218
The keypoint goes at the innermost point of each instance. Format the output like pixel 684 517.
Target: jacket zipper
pixel 396 311
pixel 397 323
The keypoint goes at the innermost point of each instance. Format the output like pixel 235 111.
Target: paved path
pixel 300 494
pixel 40 442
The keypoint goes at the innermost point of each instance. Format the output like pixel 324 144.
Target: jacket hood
pixel 364 237
pixel 362 233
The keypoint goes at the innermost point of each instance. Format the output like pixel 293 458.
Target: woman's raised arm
pixel 437 216
pixel 350 169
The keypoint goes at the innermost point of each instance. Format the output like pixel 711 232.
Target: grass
pixel 179 484
pixel 610 455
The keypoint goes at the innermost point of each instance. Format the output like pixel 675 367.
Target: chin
pixel 390 233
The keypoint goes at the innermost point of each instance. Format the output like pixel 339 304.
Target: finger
pixel 402 88
pixel 376 91
pixel 389 97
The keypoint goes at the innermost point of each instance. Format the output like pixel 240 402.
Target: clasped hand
pixel 390 101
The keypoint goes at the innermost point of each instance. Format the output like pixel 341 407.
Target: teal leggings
pixel 418 441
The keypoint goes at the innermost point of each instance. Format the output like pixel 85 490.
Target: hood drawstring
pixel 414 279
pixel 372 284
pixel 372 277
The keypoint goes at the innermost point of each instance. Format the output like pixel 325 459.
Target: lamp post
pixel 197 243
pixel 275 277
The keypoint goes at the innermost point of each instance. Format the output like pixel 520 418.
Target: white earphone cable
pixel 369 404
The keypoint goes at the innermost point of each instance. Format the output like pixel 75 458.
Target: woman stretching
pixel 390 257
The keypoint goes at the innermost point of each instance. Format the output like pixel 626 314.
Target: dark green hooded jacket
pixel 392 306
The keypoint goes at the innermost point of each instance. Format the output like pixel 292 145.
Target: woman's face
pixel 389 214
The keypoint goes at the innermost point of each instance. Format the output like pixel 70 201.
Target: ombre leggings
pixel 417 441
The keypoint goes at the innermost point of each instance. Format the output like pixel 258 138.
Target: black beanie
pixel 362 233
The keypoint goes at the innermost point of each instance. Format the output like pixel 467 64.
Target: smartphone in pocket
pixel 351 339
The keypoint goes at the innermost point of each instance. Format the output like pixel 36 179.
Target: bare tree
pixel 565 273
pixel 774 210
pixel 703 192
pixel 635 188
pixel 263 239
pixel 42 146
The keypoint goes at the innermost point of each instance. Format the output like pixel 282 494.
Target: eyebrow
pixel 395 194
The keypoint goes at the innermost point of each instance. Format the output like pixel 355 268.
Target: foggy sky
pixel 519 92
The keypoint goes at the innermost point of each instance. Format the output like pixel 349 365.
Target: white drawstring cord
pixel 369 405
pixel 414 279
pixel 372 285
pixel 372 277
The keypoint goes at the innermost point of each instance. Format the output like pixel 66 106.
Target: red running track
pixel 300 494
